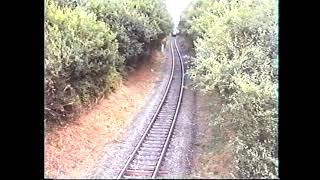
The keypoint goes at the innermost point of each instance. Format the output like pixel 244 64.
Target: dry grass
pixel 73 150
pixel 214 157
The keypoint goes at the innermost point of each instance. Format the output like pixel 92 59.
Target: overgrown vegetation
pixel 89 44
pixel 236 54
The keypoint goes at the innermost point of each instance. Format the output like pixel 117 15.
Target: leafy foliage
pixel 87 45
pixel 236 54
pixel 137 23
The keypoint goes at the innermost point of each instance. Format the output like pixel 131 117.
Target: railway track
pixel 148 155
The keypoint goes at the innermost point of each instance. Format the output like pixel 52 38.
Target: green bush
pixel 157 13
pixel 89 43
pixel 81 59
pixel 236 54
pixel 139 24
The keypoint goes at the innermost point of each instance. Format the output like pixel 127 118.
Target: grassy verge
pixel 213 157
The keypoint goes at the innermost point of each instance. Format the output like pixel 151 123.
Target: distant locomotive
pixel 174 33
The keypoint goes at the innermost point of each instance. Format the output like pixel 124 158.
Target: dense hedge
pixel 88 44
pixel 139 23
pixel 236 54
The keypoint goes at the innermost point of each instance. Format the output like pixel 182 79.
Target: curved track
pixel 146 159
